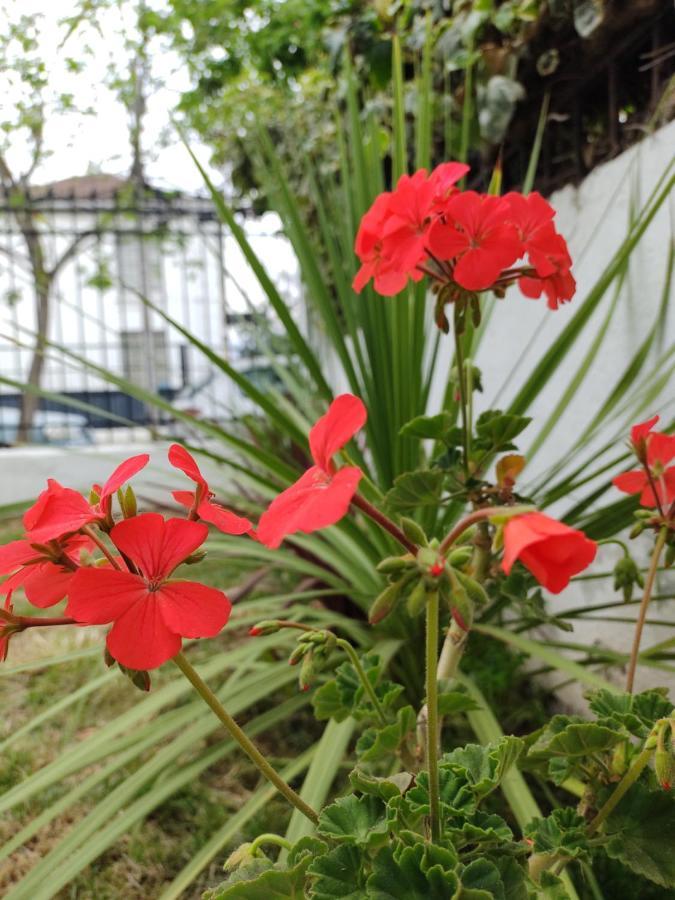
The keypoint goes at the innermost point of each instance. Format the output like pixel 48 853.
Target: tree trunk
pixel 42 280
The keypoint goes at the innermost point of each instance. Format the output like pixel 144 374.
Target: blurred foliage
pixel 275 63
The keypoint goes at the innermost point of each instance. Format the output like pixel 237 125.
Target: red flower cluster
pixel 468 239
pixel 552 551
pixel 655 481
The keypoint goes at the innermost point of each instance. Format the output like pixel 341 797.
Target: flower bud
pixel 664 766
pixel 626 576
pixel 307 672
pixel 669 557
pixel 239 857
pixel 637 530
pixel 384 603
pixel 298 653
pixel 417 599
pixel 267 626
pixel 393 565
pixel 461 607
pixel 138 677
pixel 94 497
pixel 413 532
pixel 128 503
pixel 196 557
pixel 475 591
pixel 460 556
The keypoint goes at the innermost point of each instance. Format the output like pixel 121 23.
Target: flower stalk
pixel 642 613
pixel 241 738
pixel 384 522
pixel 363 678
pixel 432 717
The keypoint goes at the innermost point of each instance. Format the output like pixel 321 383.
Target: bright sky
pixel 76 142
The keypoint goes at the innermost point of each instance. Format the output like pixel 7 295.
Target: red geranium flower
pixel 654 450
pixel 44 573
pixel 150 613
pixel 59 510
pixel 321 497
pixel 369 247
pixel 476 232
pixel 552 551
pixel 558 283
pixel 200 500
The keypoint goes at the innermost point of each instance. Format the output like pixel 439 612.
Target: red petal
pixel 185 498
pixel 15 554
pixel 660 448
pixel 345 416
pixel 123 473
pixel 140 639
pixel 62 511
pixel 193 610
pixel 223 519
pixel 47 584
pixel 477 270
pixel 97 596
pixel 630 482
pixel 640 431
pixel 445 241
pixel 311 503
pixel 155 545
pixel 181 459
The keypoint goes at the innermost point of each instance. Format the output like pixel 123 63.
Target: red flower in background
pixel 150 613
pixel 321 497
pixel 558 284
pixel 59 510
pixel 552 551
pixel 44 573
pixel 200 500
pixel 475 232
pixel 655 482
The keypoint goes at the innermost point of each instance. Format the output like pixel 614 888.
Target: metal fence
pixel 105 248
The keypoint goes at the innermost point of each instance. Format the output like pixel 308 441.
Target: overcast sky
pixel 76 143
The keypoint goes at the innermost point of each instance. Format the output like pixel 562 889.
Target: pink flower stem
pixel 384 522
pixel 89 531
pixel 652 485
pixel 41 621
pixel 476 516
pixel 642 614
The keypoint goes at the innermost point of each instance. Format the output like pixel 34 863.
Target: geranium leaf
pixel 481 881
pixel 384 788
pixel 477 828
pixel 562 833
pixel 415 489
pixel 433 427
pixel 484 766
pixel 355 820
pixel 338 875
pixel 378 743
pixel 273 884
pixel 450 702
pixel 420 872
pixel 578 739
pixel 635 712
pixel 642 834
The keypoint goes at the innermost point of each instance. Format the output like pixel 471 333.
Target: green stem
pixel 604 541
pixel 459 357
pixel 240 737
pixel 622 787
pixel 478 515
pixel 269 839
pixel 91 534
pixel 642 614
pixel 367 686
pixel 432 717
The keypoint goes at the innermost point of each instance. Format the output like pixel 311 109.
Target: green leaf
pixel 479 828
pixel 450 702
pixel 344 695
pixel 384 788
pixel 513 878
pixel 414 489
pixel 635 712
pixel 355 820
pixel 484 766
pixel 495 430
pixel 328 704
pixel 481 881
pixel 434 427
pixel 578 739
pixel 563 833
pixel 338 875
pixel 553 887
pixel 641 834
pixel 378 743
pixel 457 799
pixel 420 872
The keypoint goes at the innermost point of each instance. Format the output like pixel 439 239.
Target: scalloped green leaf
pixel 338 874
pixel 457 798
pixel 481 881
pixel 380 742
pixel 412 490
pixel 384 788
pixel 484 766
pixel 450 702
pixel 478 828
pixel 562 833
pixel 423 427
pixel 635 712
pixel 272 884
pixel 420 872
pixel 641 834
pixel 355 820
pixel 578 739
